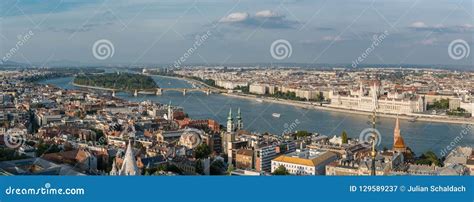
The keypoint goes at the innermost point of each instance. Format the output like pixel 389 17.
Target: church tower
pixel 230 122
pixel 375 95
pixel 398 143
pixel 170 112
pixel 240 124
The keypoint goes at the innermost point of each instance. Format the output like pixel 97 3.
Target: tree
pixel 199 168
pixel 439 105
pixel 44 148
pixel 217 167
pixel 302 133
pixel 7 154
pixel 167 168
pixel 429 158
pixel 100 138
pixel 283 148
pixel 281 170
pixel 344 137
pixel 202 151
pixel 230 168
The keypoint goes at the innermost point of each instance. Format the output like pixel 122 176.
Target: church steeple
pixel 170 112
pixel 129 165
pixel 240 124
pixel 114 170
pixel 230 122
pixel 398 142
pixel 375 90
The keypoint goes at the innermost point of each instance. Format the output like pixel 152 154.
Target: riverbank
pixel 92 87
pixel 352 111
pixel 417 117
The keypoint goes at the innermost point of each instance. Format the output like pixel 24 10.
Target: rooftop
pixel 306 157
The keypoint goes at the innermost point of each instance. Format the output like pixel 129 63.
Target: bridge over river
pixel 155 91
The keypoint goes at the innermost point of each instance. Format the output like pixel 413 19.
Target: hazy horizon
pixel 235 32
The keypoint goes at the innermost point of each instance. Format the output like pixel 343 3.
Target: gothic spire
pixel 114 170
pixel 129 165
pixel 398 142
pixel 229 117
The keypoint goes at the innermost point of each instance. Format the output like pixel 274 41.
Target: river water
pixel 257 117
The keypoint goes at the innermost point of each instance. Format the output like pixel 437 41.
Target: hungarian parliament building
pixel 392 102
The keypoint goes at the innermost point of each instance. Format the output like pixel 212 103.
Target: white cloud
pixel 440 28
pixel 332 38
pixel 418 24
pixel 262 19
pixel 467 26
pixel 267 14
pixel 235 17
pixel 430 41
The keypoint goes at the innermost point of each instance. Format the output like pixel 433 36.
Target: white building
pixel 44 119
pixel 230 84
pixel 387 104
pixel 260 89
pixel 305 162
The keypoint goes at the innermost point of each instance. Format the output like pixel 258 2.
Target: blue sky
pixel 319 31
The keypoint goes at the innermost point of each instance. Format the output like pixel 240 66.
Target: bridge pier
pixel 184 92
pixel 113 93
pixel 208 92
pixel 135 93
pixel 159 91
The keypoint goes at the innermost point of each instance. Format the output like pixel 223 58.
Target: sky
pixel 223 32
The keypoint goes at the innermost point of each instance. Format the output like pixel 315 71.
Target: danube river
pixel 257 117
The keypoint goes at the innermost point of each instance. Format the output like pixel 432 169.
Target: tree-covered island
pixel 118 81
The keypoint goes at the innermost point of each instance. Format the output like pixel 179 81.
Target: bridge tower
pixel 159 91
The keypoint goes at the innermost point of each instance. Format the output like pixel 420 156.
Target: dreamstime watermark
pixel 198 42
pixel 14 141
pixel 466 129
pixel 101 141
pixel 191 137
pixel 46 190
pixel 22 40
pixel 103 49
pixel 458 49
pixel 376 41
pixel 289 128
pixel 281 49
pixel 368 135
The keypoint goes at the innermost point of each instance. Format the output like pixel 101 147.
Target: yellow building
pixel 305 162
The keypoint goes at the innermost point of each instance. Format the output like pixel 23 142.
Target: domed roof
pixel 191 138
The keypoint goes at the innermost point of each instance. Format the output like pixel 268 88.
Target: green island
pixel 117 81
